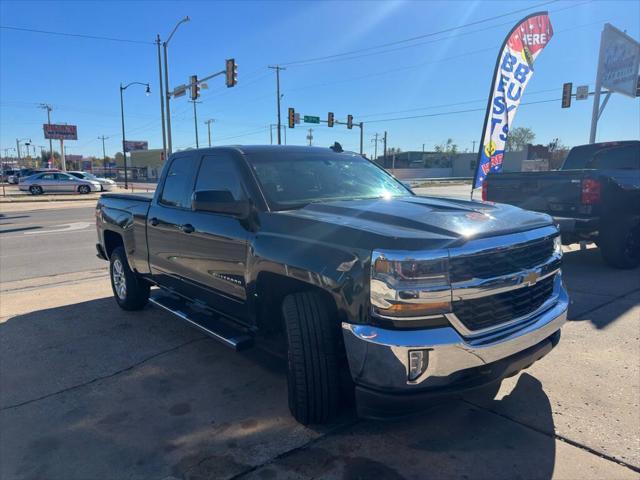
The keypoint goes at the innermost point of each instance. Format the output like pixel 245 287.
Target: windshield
pixel 292 180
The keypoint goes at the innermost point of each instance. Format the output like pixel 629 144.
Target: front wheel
pixel 313 373
pixel 130 291
pixel 35 190
pixel 84 189
pixel 619 243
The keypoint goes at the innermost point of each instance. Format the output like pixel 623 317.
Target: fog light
pixel 418 360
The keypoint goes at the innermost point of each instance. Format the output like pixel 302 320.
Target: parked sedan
pixel 57 182
pixel 106 184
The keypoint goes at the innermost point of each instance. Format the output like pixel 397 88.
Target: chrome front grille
pixel 495 263
pixel 484 312
pixel 501 281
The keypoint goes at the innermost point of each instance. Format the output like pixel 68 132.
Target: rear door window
pixel 178 184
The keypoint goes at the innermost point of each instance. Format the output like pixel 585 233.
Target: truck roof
pixel 271 149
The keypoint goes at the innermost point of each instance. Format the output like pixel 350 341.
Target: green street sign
pixel 310 119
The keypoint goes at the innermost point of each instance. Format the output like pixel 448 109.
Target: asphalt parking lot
pixel 88 391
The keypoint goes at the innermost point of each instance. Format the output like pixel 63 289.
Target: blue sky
pixel 440 74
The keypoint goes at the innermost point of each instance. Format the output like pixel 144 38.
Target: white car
pixel 57 182
pixel 106 184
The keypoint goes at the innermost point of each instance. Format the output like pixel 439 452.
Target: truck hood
pixel 415 217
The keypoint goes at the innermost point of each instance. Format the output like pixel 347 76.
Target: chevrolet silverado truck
pixel 594 197
pixel 379 296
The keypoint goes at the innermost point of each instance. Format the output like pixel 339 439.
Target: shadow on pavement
pixel 592 284
pixel 89 391
pixel 452 440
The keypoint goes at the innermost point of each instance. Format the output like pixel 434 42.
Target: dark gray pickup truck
pixel 372 289
pixel 595 196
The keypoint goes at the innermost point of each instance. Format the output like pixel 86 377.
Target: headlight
pixel 410 288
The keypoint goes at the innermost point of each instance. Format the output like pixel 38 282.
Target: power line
pixel 350 55
pixel 440 114
pixel 418 37
pixel 76 35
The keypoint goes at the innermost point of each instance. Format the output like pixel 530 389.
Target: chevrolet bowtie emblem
pixel 531 278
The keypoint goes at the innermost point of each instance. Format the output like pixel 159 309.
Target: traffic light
pixel 349 122
pixel 566 94
pixel 292 117
pixel 195 88
pixel 231 72
pixel 330 119
pixel 638 87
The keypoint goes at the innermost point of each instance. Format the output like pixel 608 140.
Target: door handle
pixel 154 221
pixel 187 228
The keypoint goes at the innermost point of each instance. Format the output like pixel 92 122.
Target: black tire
pixel 619 243
pixel 135 294
pixel 313 358
pixel 35 190
pixel 84 189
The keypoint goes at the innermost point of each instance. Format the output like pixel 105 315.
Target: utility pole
pixel 375 146
pixel 208 123
pixel 385 149
pixel 164 130
pixel 48 108
pixel 361 135
pixel 309 136
pixel 195 121
pixel 104 155
pixel 474 146
pixel 277 68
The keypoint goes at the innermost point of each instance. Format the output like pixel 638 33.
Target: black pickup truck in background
pixel 595 196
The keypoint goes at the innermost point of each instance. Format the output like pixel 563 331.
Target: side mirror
pixel 219 201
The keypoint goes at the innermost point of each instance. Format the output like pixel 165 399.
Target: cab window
pixel 178 184
pixel 219 172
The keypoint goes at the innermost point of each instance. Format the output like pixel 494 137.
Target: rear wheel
pixel 35 190
pixel 83 189
pixel 619 243
pixel 313 357
pixel 130 291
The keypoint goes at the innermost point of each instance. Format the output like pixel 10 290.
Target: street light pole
pixel 195 121
pixel 165 45
pixel 164 130
pixel 124 148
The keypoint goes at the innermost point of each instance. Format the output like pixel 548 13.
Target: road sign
pixel 296 118
pixel 619 61
pixel 60 132
pixel 179 91
pixel 582 92
pixel 311 119
pixel 566 94
pixel 134 145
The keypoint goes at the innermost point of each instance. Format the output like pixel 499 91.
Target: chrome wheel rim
pixel 119 281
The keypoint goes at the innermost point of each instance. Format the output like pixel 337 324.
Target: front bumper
pixel 379 358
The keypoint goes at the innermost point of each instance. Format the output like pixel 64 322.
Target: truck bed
pixel 555 192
